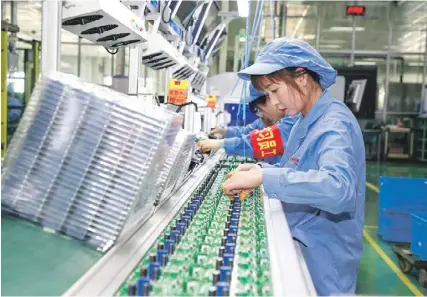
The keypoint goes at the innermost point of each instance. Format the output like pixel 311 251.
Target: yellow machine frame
pixel 4 64
pixel 32 68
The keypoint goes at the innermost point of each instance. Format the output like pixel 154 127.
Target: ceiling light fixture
pixel 365 63
pixel 243 8
pixel 417 64
pixel 308 37
pixel 346 29
pixel 330 46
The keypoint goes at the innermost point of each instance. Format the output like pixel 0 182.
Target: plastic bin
pixel 396 192
pixel 394 226
pixel 399 197
pixel 419 235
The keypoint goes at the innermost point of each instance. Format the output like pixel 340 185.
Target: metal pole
pixel 3 10
pixel 14 12
pixel 135 60
pixel 272 18
pixel 79 56
pixel 224 50
pixel 424 79
pixel 387 68
pixel 353 41
pixel 189 111
pixel 285 19
pixel 236 54
pixel 51 35
pixel 318 26
pixel 166 82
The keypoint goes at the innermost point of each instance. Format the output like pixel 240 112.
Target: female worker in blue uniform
pixel 321 176
pixel 241 144
pixel 258 104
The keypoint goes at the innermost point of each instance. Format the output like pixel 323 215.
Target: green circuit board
pixel 214 245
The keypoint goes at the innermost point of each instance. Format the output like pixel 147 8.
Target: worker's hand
pixel 242 167
pixel 243 181
pixel 209 144
pixel 247 166
pixel 219 130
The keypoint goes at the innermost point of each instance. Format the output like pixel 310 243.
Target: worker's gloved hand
pixel 209 144
pixel 243 180
pixel 219 130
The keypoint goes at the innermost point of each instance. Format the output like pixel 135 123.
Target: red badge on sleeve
pixel 267 142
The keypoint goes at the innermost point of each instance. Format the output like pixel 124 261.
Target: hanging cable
pixel 246 62
pixel 259 16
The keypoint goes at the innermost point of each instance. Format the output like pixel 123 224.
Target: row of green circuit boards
pixel 215 246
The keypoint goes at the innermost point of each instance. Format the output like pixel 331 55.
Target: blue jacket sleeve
pixel 243 147
pixel 285 126
pixel 244 130
pixel 331 187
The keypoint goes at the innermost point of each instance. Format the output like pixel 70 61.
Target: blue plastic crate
pixel 398 198
pixel 397 192
pixel 419 235
pixel 394 226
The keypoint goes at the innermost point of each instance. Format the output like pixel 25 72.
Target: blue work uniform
pixel 237 131
pixel 242 145
pixel 14 114
pixel 321 183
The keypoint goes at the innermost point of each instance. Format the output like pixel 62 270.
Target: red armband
pixel 267 142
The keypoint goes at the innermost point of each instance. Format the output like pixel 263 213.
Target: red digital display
pixel 356 10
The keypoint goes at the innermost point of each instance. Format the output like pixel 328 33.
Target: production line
pixel 201 243
pixel 89 164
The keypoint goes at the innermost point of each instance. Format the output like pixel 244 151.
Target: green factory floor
pixel 30 256
pixel 37 263
pixel 376 276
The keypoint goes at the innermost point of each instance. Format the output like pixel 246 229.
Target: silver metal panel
pixel 288 275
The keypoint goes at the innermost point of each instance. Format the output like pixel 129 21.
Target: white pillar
pixel 51 35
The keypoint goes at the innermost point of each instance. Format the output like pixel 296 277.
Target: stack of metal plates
pixel 175 164
pixel 84 160
pixel 182 170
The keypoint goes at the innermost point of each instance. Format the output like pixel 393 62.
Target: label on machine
pixel 211 100
pixel 177 91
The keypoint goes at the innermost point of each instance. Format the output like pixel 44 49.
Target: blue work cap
pixel 290 52
pixel 254 94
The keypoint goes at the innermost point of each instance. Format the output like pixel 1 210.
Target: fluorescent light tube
pixel 365 63
pixel 243 7
pixel 346 29
pixel 330 46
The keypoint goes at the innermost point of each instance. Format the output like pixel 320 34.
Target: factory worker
pixel 243 145
pixel 267 113
pixel 14 105
pixel 321 177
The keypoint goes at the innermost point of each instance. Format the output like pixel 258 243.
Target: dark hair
pixel 258 101
pixel 286 75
